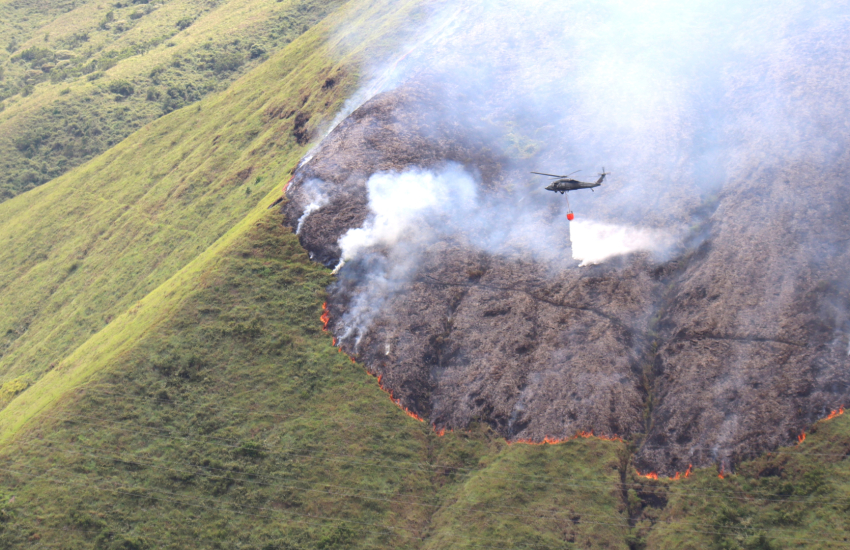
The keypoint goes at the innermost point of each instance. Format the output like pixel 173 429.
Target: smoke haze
pixel 724 126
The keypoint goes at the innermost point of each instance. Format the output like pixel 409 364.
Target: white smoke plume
pixel 416 207
pixel 318 198
pixel 677 99
pixel 413 209
pixel 401 202
pixel 594 242
pixel 669 95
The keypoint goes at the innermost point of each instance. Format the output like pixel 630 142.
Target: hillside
pixel 167 382
pixel 702 313
pixel 77 78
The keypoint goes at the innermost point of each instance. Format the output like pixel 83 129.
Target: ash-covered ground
pixel 698 304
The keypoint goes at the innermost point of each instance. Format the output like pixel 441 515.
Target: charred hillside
pixel 698 304
pixel 732 345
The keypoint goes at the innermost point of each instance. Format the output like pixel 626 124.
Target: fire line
pixel 678 476
pixel 326 318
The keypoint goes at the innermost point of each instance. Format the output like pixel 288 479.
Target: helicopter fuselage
pixel 563 185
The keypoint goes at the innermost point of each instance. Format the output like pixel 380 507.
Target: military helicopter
pixel 565 184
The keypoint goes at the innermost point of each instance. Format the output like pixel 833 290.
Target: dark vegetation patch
pixel 299 129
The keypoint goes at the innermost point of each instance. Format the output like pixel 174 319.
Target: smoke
pixel 400 203
pixel 669 95
pixel 677 99
pixel 317 199
pixel 417 207
pixel 413 210
pixel 594 242
pixel 399 67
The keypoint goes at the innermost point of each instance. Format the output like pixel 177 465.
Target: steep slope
pixel 211 409
pixel 703 314
pixel 218 414
pixel 134 216
pixel 467 333
pixel 230 419
pixel 76 79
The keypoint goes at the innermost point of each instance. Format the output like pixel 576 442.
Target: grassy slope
pixel 82 249
pixel 191 399
pixel 112 67
pixel 233 421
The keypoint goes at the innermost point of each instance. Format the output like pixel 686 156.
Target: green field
pixel 164 378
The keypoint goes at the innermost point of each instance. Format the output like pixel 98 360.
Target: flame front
pixel 676 477
pixel 801 438
pixel 837 412
pixel 389 392
pixel 326 318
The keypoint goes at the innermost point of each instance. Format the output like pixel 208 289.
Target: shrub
pixel 107 19
pixel 106 64
pixel 57 76
pixel 36 54
pixel 184 23
pixel 138 14
pixel 256 51
pixel 227 62
pixel 76 39
pixel 121 87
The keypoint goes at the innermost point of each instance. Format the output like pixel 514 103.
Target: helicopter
pixel 565 184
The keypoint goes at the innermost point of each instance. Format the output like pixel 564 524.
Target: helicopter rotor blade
pixel 571 173
pixel 550 175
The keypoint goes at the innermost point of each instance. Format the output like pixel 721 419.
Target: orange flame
pixel 389 392
pixel 285 187
pixel 676 477
pixel 326 318
pixel 721 474
pixel 837 412
pixel 801 438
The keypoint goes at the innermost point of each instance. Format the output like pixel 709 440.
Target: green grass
pixel 81 250
pixel 105 70
pixel 233 421
pixel 165 382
